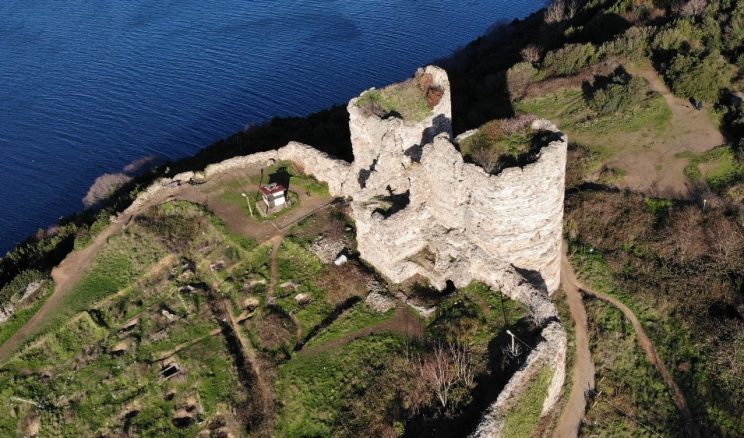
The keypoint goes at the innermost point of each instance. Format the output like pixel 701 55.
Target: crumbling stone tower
pixel 420 209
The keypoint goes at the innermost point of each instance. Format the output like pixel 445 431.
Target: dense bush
pixel 699 77
pixel 734 29
pixel 619 95
pixel 569 59
pixel 519 77
pixel 633 44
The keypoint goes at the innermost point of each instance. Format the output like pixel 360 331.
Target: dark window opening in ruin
pixel 393 203
pixel 364 174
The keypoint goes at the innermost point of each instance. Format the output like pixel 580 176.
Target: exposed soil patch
pixel 651 164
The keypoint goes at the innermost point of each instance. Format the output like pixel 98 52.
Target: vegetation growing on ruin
pixel 405 100
pixel 500 143
pixel 524 417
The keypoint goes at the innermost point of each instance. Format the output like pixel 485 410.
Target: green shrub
pixel 519 77
pixel 699 77
pixel 619 95
pixel 569 59
pixel 84 236
pixel 668 39
pixel 632 45
pixel 734 30
pixel 658 206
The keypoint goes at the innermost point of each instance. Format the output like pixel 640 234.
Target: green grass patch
pixel 85 236
pixel 569 109
pixel 297 179
pixel 60 345
pixel 316 389
pixel 23 314
pixel 357 318
pixel 718 167
pixel 523 418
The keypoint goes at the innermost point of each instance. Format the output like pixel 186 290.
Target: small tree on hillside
pixel 690 8
pixel 556 12
pixel 531 54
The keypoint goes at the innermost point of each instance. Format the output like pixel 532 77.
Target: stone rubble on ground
pixel 380 302
pixel 327 250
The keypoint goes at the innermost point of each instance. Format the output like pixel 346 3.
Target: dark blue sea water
pixel 87 87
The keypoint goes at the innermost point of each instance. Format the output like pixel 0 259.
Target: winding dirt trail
pixel 648 347
pixel 65 276
pixel 583 367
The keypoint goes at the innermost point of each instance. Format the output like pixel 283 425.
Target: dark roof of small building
pixel 272 188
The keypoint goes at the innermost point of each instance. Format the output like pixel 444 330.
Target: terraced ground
pixel 177 323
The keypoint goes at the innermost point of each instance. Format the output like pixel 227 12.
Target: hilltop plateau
pixel 541 237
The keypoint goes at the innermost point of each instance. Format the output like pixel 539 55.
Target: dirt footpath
pixel 648 347
pixel 583 367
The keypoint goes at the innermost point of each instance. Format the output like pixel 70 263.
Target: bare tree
pixel 448 366
pixel 104 186
pixel 437 372
pixel 690 8
pixel 726 239
pixel 556 12
pixel 463 365
pixel 531 53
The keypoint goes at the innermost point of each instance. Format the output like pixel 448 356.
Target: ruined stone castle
pixel 420 209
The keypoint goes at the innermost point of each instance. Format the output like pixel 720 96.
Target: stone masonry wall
pixel 420 209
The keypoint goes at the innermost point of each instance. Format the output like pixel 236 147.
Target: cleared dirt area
pixel 649 159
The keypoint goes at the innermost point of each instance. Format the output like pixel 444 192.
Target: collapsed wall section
pixel 386 146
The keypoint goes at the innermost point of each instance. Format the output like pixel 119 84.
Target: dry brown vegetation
pixel 681 267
